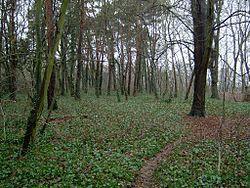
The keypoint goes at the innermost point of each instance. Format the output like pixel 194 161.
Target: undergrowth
pixel 197 166
pixel 104 144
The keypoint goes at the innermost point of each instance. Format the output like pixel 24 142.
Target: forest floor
pixel 211 130
pixel 138 143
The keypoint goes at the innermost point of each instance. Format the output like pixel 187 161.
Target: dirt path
pixel 145 178
pixel 200 129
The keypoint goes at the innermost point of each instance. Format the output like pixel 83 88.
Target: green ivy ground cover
pixel 103 145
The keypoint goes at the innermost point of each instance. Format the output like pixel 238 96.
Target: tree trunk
pixel 86 77
pixel 2 54
pixel 215 54
pixel 175 79
pixel 36 112
pixel 51 91
pixel 1 46
pixel 13 56
pixel 38 66
pixel 63 67
pixel 97 71
pixel 181 85
pixel 166 91
pixel 189 86
pixel 79 52
pixel 109 78
pixel 129 64
pixel 214 76
pixel 185 67
pixel 138 62
pixel 122 63
pixel 198 106
pixel 50 32
pixel 101 73
pixel 111 64
pixel 72 65
pixel 173 64
pixel 203 37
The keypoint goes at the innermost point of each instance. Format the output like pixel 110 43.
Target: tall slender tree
pixel 50 37
pixel 214 60
pixel 37 110
pixel 38 62
pixel 13 51
pixel 79 51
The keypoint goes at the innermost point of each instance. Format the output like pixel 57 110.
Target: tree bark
pixel 36 112
pixel 138 62
pixel 97 71
pixel 50 38
pixel 101 72
pixel 79 52
pixel 13 56
pixel 203 31
pixel 3 16
pixel 129 64
pixel 122 64
pixel 38 66
pixel 189 86
pixel 214 73
pixel 72 65
pixel 215 54
pixel 63 67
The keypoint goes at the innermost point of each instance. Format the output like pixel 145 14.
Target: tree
pixel 214 60
pixel 38 65
pixel 64 72
pixel 37 110
pixel 203 19
pixel 13 55
pixel 79 52
pixel 52 104
pixel 2 59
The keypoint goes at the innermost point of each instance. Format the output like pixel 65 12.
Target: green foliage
pixel 214 107
pixel 104 145
pixel 196 166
